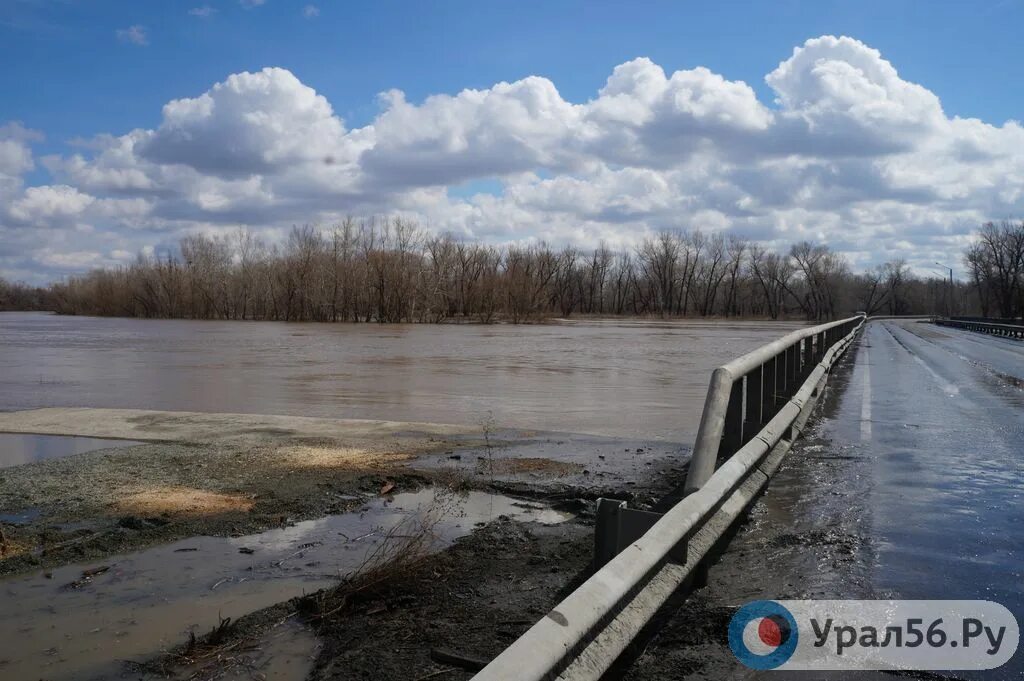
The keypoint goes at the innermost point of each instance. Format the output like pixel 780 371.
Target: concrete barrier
pixel 757 405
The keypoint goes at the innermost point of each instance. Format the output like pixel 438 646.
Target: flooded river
pixel 615 378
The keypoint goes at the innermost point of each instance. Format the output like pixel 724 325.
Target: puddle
pixel 286 652
pixel 147 602
pixel 23 517
pixel 19 448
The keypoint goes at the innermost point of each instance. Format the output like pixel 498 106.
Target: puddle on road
pixel 21 448
pixel 147 602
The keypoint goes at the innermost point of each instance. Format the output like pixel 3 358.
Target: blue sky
pixel 76 70
pixel 74 78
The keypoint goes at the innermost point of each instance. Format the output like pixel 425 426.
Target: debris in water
pixel 388 486
pixel 246 550
pixel 87 576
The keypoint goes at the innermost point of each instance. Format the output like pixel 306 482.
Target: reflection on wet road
pixel 618 378
pixel 947 448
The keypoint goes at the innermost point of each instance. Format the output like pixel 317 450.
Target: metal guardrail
pixel 1006 330
pixel 757 405
pixel 1012 321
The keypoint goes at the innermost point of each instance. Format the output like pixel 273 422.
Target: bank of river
pixel 120 553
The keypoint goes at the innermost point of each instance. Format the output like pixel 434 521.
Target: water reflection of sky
pixel 17 448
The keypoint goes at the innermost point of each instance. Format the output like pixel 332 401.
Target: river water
pixel 615 378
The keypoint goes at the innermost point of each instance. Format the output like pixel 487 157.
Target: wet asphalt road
pixel 943 422
pixel 909 485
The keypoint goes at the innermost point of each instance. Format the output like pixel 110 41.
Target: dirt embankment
pixel 208 474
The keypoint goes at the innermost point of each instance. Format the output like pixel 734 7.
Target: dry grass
pixel 353 458
pixel 8 546
pixel 402 550
pixel 182 501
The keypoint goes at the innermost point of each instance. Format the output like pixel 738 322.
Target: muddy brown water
pixel 60 625
pixel 615 378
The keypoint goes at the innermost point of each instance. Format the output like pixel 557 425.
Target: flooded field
pixel 616 378
pixel 83 621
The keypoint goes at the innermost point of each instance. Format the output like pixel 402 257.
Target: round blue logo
pixel 763 634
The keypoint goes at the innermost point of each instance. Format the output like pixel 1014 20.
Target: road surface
pixel 910 485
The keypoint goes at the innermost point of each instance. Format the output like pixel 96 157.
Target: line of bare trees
pixel 18 296
pixel 995 264
pixel 392 271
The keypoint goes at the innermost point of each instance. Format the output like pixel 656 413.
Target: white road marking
pixel 950 389
pixel 865 403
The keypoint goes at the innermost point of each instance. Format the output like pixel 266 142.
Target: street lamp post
pixel 949 301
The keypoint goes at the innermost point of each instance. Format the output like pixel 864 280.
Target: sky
pixel 884 129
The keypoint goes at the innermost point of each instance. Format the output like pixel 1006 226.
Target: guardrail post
pixel 709 433
pixel 617 526
pixel 606 530
pixel 753 398
pixel 781 372
pixel 732 433
pixel 793 365
pixel 768 390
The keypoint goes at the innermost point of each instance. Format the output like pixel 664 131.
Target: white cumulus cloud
pixel 847 152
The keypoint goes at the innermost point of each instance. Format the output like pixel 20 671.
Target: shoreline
pixel 198 475
pixel 538 321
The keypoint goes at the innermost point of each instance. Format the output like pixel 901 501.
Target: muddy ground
pixel 443 619
pixel 211 475
pixel 230 475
